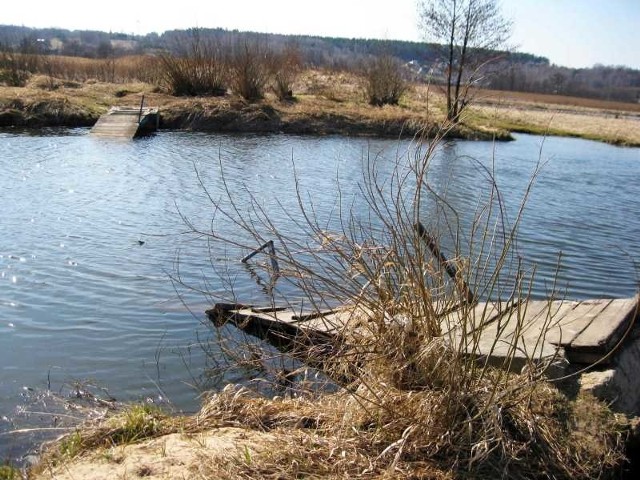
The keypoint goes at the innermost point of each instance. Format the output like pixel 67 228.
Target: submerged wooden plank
pixel 313 342
pixel 276 327
pixel 604 332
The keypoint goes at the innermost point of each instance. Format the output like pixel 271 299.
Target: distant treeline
pixel 318 51
pixel 515 71
pixel 602 82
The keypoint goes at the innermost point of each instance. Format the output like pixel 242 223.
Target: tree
pixel 471 31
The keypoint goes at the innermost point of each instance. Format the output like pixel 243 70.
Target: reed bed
pixel 128 69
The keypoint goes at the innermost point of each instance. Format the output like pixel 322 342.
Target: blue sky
pixel 576 33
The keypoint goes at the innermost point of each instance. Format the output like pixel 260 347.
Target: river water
pixel 92 232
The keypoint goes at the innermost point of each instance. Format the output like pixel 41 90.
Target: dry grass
pixel 357 434
pixel 598 125
pixel 133 68
pixel 526 98
pixel 612 122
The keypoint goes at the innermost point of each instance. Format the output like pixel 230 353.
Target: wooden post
pixel 272 255
pixel 141 105
pixel 463 288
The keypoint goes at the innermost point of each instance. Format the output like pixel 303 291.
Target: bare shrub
pixel 384 81
pixel 285 67
pixel 249 69
pixel 198 67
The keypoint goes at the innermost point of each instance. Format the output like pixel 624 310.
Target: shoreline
pixel 245 118
pixel 263 118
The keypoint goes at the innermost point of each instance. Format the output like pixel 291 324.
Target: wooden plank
pixel 504 323
pixel 534 337
pixel 540 316
pixel 116 126
pixel 468 319
pixel 575 321
pixel 481 329
pixel 514 340
pixel 332 322
pixel 604 332
pixel 525 326
pixel 559 315
pixel 498 338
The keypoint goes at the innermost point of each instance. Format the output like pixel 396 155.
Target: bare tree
pixel 471 31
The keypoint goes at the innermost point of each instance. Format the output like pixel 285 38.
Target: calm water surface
pixel 92 230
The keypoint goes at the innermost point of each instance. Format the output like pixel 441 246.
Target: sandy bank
pixel 171 456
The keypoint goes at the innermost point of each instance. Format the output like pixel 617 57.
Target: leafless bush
pixel 249 69
pixel 419 386
pixel 384 81
pixel 198 67
pixel 285 66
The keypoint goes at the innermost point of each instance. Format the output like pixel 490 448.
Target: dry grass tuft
pixel 390 433
pixel 363 432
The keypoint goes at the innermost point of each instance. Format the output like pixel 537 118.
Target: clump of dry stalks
pixel 378 431
pixel 419 434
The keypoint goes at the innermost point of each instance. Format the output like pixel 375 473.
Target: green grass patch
pixel 7 472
